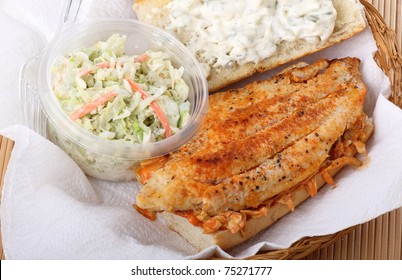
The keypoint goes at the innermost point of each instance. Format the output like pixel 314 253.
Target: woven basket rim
pixel 389 59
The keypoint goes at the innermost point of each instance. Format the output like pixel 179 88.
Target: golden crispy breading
pixel 261 140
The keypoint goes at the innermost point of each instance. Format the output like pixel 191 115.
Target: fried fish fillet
pixel 262 140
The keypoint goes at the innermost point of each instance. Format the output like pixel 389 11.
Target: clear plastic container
pixel 98 157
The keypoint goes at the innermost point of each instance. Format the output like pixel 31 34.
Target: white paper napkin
pixel 51 210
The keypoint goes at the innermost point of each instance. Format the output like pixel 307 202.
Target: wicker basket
pixel 389 59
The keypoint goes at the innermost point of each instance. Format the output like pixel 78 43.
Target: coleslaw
pixel 133 98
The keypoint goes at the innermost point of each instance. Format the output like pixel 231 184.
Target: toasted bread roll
pixel 349 21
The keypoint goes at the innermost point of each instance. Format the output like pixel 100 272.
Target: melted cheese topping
pixel 223 32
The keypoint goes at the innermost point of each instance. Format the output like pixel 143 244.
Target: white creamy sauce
pixel 223 32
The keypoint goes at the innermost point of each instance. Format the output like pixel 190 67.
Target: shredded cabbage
pixel 81 77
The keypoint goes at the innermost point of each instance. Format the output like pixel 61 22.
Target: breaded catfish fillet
pixel 261 140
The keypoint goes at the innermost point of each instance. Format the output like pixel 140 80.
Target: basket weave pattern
pixel 388 56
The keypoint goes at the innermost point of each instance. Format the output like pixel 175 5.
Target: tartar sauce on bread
pixel 223 32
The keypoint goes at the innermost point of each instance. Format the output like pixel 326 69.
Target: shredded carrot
pixel 311 187
pixel 141 58
pixel 157 109
pixel 101 65
pixel 236 222
pixel 84 73
pixel 92 105
pixel 254 214
pixel 288 200
pixel 214 224
pixel 190 216
pixel 340 162
pixel 327 178
pixel 360 147
pixel 104 65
